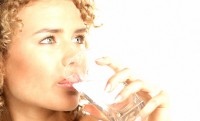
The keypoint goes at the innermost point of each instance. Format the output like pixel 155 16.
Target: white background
pixel 160 41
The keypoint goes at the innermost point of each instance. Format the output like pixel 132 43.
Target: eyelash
pixel 81 37
pixel 53 39
pixel 43 41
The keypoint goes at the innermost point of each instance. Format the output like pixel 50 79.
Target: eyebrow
pixel 49 30
pixel 81 30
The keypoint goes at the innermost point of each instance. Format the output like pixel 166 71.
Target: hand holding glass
pixel 92 92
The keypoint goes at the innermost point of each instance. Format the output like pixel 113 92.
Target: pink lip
pixel 69 81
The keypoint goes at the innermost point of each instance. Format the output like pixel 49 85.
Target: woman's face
pixel 40 67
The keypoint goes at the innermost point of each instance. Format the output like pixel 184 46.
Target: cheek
pixel 28 75
pixel 30 70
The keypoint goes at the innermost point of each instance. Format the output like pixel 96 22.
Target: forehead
pixel 50 13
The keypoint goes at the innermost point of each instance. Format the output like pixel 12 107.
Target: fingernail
pixel 101 60
pixel 108 88
pixel 138 118
pixel 118 99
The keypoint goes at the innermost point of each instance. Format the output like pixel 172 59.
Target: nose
pixel 73 58
pixel 75 62
pixel 71 52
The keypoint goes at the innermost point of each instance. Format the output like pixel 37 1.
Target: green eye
pixel 48 40
pixel 79 39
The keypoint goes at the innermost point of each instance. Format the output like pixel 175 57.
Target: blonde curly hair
pixel 9 22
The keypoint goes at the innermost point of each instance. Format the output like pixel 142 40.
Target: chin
pixel 67 101
pixel 73 107
pixel 70 104
pixel 65 107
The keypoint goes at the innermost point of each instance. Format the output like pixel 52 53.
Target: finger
pixel 108 61
pixel 129 89
pixel 158 102
pixel 121 74
pixel 144 90
pixel 119 77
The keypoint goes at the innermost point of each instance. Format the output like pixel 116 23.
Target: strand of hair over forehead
pixel 9 10
pixel 86 8
pixel 17 1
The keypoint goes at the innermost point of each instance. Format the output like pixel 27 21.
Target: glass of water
pixel 92 92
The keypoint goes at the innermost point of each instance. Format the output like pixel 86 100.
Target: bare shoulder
pixel 88 118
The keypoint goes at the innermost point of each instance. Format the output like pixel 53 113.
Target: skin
pixel 37 62
pixel 44 54
pixel 157 101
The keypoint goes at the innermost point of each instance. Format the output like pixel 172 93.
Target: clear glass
pixel 92 90
pixel 126 110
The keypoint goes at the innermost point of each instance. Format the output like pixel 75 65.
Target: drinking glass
pixel 92 92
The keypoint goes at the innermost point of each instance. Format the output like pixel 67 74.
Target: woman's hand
pixel 156 101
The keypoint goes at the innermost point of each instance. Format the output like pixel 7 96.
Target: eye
pixel 79 39
pixel 48 40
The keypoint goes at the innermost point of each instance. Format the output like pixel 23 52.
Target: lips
pixel 69 81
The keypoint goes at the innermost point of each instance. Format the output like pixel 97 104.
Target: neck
pixel 26 112
pixel 20 111
pixel 30 114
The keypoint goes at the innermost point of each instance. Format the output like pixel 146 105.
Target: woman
pixel 38 41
